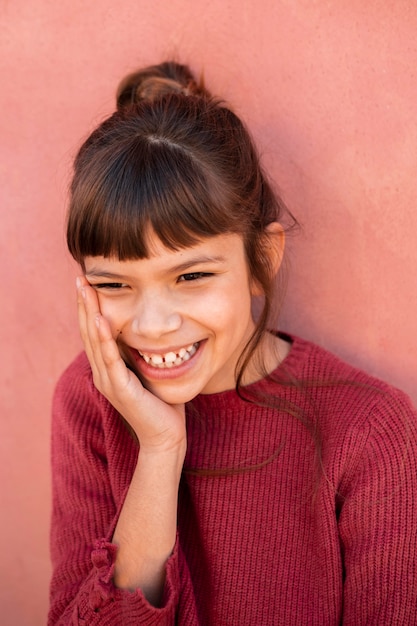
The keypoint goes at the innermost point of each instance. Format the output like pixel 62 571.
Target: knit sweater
pixel 267 536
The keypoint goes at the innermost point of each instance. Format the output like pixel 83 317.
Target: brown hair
pixel 176 160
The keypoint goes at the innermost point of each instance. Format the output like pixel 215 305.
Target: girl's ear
pixel 273 248
pixel 275 245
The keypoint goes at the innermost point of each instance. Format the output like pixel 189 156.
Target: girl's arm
pixel 141 573
pixel 146 530
pixel 93 459
pixel 378 520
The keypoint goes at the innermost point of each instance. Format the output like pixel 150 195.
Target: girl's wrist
pixel 168 454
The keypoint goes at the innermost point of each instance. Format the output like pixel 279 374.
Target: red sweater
pixel 283 544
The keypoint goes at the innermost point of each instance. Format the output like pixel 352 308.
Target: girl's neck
pixel 269 355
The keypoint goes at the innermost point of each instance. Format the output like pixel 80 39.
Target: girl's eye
pixel 110 286
pixel 193 276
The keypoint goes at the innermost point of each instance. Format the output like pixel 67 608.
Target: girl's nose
pixel 155 318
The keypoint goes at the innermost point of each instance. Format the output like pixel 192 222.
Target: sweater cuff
pixel 103 558
pixel 103 591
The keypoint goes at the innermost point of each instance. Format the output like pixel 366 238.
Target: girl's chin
pixel 172 392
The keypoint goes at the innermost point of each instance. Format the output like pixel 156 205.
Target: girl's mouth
pixel 170 359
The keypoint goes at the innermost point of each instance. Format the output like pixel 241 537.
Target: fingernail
pixel 78 282
pixel 97 321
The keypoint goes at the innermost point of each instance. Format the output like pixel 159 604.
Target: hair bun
pixel 157 81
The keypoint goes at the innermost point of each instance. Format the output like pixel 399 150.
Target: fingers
pixel 101 349
pixel 88 308
pixel 110 374
pixel 115 370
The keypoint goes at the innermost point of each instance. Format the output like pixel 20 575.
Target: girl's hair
pixel 177 161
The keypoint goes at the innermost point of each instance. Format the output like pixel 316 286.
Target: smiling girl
pixel 207 469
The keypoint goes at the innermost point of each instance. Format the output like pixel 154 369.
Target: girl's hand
pixel 158 426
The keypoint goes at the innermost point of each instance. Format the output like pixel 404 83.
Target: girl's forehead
pixel 155 246
pixel 223 242
pixel 215 249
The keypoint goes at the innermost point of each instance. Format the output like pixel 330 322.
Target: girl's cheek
pixel 114 317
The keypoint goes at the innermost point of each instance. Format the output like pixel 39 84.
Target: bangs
pixel 151 183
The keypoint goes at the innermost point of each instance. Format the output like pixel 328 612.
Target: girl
pixel 207 469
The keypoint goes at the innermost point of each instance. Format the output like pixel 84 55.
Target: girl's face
pixel 181 318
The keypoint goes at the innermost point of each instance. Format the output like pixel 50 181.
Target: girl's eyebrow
pixel 96 272
pixel 200 260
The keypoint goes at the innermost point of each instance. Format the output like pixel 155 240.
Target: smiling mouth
pixel 170 359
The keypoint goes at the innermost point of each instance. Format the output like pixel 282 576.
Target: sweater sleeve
pixel 83 520
pixel 378 521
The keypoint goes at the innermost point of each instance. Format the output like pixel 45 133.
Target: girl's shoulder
pixel 338 388
pixel 77 376
pixel 75 395
pixel 364 425
pixel 308 361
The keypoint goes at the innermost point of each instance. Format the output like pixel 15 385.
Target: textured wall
pixel 329 90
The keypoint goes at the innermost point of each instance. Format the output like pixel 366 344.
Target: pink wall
pixel 329 90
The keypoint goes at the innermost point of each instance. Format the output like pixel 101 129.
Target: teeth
pixel 170 359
